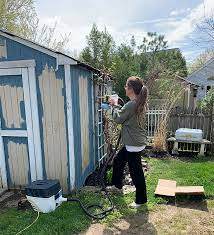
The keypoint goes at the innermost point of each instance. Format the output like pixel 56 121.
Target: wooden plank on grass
pixel 166 188
pixel 191 190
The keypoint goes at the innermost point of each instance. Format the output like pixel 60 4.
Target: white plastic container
pixel 187 134
pixel 115 98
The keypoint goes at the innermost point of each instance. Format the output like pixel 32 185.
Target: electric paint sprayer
pixel 46 195
pixel 117 101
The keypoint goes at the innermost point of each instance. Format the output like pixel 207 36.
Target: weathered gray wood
pixel 84 121
pixel 195 121
pixel 54 127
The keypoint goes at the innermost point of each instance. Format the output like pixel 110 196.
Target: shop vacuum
pixel 46 195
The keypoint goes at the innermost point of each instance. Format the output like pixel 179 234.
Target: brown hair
pixel 141 91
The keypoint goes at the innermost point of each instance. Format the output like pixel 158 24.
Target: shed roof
pixel 49 51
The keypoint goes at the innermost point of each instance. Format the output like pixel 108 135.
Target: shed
pixel 50 120
pixel 188 99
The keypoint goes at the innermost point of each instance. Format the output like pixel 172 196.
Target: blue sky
pixel 176 19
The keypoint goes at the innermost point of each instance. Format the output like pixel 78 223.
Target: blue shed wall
pixel 46 63
pixel 76 74
pixel 17 51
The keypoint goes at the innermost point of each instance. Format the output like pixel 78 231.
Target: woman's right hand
pixel 111 102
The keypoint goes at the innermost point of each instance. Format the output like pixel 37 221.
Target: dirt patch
pixel 11 199
pixel 186 218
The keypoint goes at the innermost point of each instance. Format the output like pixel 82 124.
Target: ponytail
pixel 141 104
pixel 141 93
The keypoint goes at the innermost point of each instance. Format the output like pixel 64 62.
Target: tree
pixel 207 104
pixel 173 60
pixel 154 52
pixel 156 64
pixel 151 60
pixel 148 51
pixel 99 50
pixel 133 42
pixel 153 43
pixel 204 38
pixel 19 17
pixel 155 59
pixel 46 36
pixel 205 32
pixel 91 54
pixel 125 65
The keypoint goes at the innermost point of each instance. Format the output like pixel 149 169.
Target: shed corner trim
pixel 70 126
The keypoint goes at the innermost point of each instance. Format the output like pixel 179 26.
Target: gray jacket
pixel 132 134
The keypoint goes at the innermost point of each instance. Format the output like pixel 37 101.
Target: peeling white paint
pixel 54 126
pixel 3 49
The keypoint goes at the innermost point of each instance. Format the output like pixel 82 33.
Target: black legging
pixel 136 172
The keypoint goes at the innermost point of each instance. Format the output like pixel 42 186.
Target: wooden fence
pixel 180 119
pixel 194 121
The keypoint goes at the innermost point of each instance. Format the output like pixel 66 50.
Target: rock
pixel 128 189
pixel 151 154
pixel 175 153
pixel 144 164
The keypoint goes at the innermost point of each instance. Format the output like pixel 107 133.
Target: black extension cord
pixel 104 211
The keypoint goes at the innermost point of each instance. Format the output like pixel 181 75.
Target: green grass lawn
pixel 69 218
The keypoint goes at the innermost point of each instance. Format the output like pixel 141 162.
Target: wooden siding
pixel 84 120
pixel 52 113
pixel 3 48
pixel 12 114
pixel 81 87
pixel 12 103
pixel 1 183
pixel 54 126
pixel 17 163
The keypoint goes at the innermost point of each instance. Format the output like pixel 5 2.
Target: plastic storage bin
pixel 187 134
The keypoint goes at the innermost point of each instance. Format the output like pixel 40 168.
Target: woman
pixel 133 135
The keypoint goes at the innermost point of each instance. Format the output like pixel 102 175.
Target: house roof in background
pixel 204 66
pixel 187 81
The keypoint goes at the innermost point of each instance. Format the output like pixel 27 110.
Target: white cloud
pixel 77 34
pixel 122 19
pixel 77 18
pixel 156 21
pixel 179 12
pixel 79 23
pixel 184 27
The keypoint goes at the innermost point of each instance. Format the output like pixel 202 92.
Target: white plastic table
pixel 202 143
